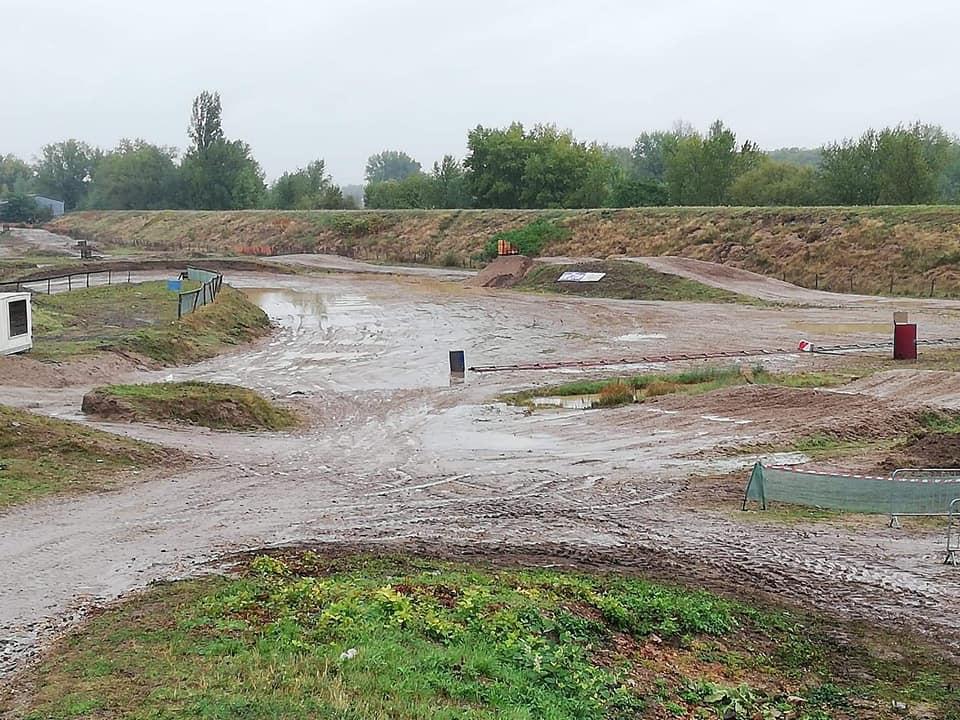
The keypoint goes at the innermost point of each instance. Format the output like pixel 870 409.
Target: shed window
pixel 18 318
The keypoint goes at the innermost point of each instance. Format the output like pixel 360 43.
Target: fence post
pixel 69 282
pixel 932 281
pixel 48 286
pixel 816 281
pixel 128 277
pixel 109 277
pixel 88 279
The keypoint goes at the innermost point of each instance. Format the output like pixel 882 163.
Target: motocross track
pixel 401 455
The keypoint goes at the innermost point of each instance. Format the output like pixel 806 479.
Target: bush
pixel 613 394
pixel 528 240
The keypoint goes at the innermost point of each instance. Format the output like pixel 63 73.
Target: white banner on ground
pixel 581 277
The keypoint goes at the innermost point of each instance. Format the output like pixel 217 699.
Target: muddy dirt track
pixel 399 455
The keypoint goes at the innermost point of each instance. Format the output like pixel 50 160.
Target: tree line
pixel 215 173
pixel 509 167
pixel 545 167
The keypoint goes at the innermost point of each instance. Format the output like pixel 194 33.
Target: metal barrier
pixel 191 300
pixel 944 486
pixel 67 282
pixel 907 492
pixel 953 534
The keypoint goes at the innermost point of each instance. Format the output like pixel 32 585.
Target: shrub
pixel 529 239
pixel 616 393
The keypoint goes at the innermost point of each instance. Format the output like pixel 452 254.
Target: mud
pixel 402 456
pixel 503 272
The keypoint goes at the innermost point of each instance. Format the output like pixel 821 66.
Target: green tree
pixel 649 155
pixel 223 176
pixel 15 175
pixel 700 169
pixel 22 208
pixel 205 120
pixel 309 188
pixel 638 193
pixel 542 168
pixel 414 191
pixel 848 171
pixel 775 183
pixel 805 157
pixel 216 173
pixel 495 164
pixel 65 170
pixel 136 175
pixel 450 184
pixel 902 165
pixel 390 165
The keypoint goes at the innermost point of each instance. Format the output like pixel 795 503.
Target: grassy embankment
pixel 303 637
pixel 624 281
pixel 212 405
pixel 869 246
pixel 41 456
pixel 141 319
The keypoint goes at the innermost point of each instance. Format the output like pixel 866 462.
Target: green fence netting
pixel 905 492
pixel 191 300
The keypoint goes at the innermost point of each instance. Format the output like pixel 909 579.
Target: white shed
pixel 16 323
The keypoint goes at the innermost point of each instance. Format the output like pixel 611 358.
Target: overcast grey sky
pixel 341 80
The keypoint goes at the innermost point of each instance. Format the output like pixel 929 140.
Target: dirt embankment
pixel 839 249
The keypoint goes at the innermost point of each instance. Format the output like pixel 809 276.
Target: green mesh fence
pixel 905 492
pixel 193 299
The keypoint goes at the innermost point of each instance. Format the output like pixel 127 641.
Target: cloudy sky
pixel 302 79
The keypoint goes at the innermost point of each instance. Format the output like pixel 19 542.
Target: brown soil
pixel 505 271
pixel 931 450
pixel 789 413
pixel 23 371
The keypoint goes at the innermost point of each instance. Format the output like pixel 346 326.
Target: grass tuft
pixel 40 456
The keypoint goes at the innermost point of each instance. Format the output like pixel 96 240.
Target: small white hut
pixel 16 323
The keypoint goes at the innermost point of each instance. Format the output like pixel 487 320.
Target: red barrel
pixel 905 341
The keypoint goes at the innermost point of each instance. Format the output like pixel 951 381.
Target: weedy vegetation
pixel 298 636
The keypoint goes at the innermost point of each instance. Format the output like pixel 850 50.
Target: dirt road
pixel 401 455
pixel 20 242
pixel 752 284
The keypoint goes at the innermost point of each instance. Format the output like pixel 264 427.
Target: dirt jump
pixel 398 454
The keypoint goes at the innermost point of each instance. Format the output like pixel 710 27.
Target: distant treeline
pixel 512 167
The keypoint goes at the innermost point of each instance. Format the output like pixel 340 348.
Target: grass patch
pixel 213 405
pixel 40 456
pixel 141 319
pixel 302 637
pixel 625 281
pixel 625 390
pixel 621 390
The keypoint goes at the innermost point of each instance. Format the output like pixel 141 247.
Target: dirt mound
pixel 212 405
pixel 930 450
pixel 938 388
pixel 505 271
pixel 783 412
